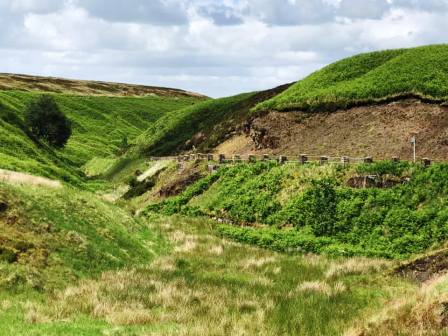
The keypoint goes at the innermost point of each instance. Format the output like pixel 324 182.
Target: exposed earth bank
pixel 380 131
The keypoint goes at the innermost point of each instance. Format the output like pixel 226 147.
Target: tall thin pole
pixel 414 143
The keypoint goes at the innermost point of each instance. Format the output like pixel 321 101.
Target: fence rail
pixel 302 158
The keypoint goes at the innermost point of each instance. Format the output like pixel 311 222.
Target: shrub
pixel 46 121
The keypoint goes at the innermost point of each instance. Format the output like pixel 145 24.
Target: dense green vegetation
pixel 327 215
pixel 99 126
pixel 368 78
pixel 46 122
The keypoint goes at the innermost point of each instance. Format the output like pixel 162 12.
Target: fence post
pixel 426 162
pixel 323 160
pixel 265 157
pixel 210 157
pixel 303 158
pixel 345 160
pixel 282 159
pixel 236 158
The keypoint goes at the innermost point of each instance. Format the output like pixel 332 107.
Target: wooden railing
pixel 302 158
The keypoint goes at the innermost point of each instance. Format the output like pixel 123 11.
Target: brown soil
pixel 425 268
pixel 81 87
pixel 380 131
pixel 187 175
pixel 179 185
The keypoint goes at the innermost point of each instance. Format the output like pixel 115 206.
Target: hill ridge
pixel 11 81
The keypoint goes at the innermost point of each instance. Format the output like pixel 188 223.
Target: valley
pixel 97 238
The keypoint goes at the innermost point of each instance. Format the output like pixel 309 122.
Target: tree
pixel 46 121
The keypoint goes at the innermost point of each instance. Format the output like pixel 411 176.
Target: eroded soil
pixel 380 131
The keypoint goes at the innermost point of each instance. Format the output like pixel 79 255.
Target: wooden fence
pixel 302 158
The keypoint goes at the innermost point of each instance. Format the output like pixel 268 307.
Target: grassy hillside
pixel 368 78
pixel 52 237
pixel 313 208
pixel 203 125
pixel 99 125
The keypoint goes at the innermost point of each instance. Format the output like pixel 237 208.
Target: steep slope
pixel 202 126
pixel 330 209
pixel 367 105
pixel 52 237
pixel 380 131
pixel 100 124
pixel 369 78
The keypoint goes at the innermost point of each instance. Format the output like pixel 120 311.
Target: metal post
pixel 414 143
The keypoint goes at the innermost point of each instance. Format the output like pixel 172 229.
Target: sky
pixel 215 47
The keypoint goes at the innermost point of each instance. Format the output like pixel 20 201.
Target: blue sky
pixel 218 48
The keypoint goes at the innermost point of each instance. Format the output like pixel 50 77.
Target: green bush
pixel 46 121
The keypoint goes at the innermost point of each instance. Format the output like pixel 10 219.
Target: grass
pixel 202 126
pixel 99 126
pixel 52 237
pixel 174 129
pixel 209 286
pixel 312 208
pixel 369 78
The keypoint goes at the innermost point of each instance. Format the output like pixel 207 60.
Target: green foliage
pixel 138 188
pixel 177 204
pixel 384 168
pixel 328 216
pixel 170 132
pixel 306 210
pixel 99 126
pixel 62 235
pixel 46 121
pixel 368 78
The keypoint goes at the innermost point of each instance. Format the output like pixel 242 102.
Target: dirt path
pixel 22 178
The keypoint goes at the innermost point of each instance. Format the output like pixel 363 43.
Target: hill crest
pixel 23 82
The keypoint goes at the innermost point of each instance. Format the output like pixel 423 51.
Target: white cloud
pixel 215 47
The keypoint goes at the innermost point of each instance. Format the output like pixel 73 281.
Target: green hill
pixel 203 125
pixel 369 78
pixel 51 237
pixel 99 125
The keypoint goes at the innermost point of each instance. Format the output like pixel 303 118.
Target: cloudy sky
pixel 216 47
